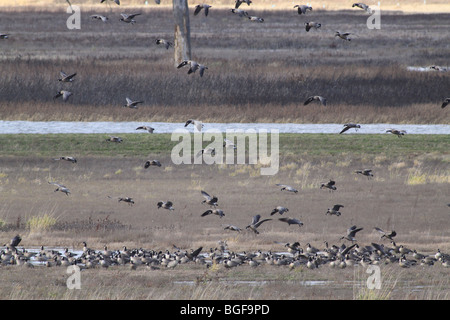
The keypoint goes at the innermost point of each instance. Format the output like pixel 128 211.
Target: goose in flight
pixel 287 188
pixel 387 235
pixel 229 144
pixel 128 18
pixel 166 205
pixel 4 36
pixel 366 172
pixel 60 187
pixel 239 2
pixel 116 1
pixel 193 65
pixel 217 212
pixel 128 200
pixel 329 185
pixel 335 210
pixel 212 201
pixel 256 222
pixel 208 150
pixel 232 228
pixel 64 94
pixel 301 9
pixel 65 77
pixel 312 24
pixel 132 104
pixel 398 133
pixel 71 159
pixel 445 103
pixel 363 6
pixel 114 139
pixel 343 36
pixel 256 19
pixel 290 221
pixel 150 163
pixel 196 123
pixel 99 17
pixel 241 13
pixel 15 241
pixel 316 98
pixel 147 128
pixel 351 232
pixel 165 43
pixel 280 210
pixel 348 126
pixel 199 8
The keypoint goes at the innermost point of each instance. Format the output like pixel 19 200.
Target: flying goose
pixel 99 17
pixel 232 228
pixel 196 123
pixel 199 8
pixel 114 139
pixel 166 205
pixel 348 126
pixel 287 188
pixel 128 200
pixel 255 19
pixel 301 9
pixel 385 234
pixel 290 221
pixel 60 187
pixel 65 77
pixel 128 18
pixel 239 2
pixel 351 232
pixel 212 201
pixel 256 222
pixel 132 104
pixel 329 185
pixel 4 36
pixel 399 133
pixel 363 6
pixel 64 94
pixel 149 163
pixel 207 150
pixel 445 103
pixel 280 210
pixel 116 1
pixel 241 13
pixel 312 24
pixel 343 36
pixel 365 172
pixel 165 43
pixel 15 241
pixel 335 210
pixel 316 98
pixel 229 144
pixel 193 65
pixel 71 159
pixel 217 212
pixel 147 128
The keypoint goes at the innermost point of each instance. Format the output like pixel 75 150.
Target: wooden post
pixel 182 39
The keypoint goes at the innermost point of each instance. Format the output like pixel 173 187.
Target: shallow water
pixel 53 127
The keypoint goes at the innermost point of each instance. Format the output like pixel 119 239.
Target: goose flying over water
pixel 398 133
pixel 147 128
pixel 348 126
pixel 197 124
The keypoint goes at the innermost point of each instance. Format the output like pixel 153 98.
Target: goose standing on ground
pixel 128 18
pixel 4 36
pixel 239 2
pixel 131 103
pixel 348 126
pixel 99 17
pixel 343 36
pixel 329 185
pixel 196 123
pixel 316 98
pixel 256 222
pixel 398 133
pixel 165 43
pixel 351 232
pixel 65 77
pixel 290 221
pixel 301 9
pixel 128 200
pixel 60 187
pixel 114 139
pixel 166 205
pixel 216 212
pixel 212 201
pixel 366 172
pixel 335 210
pixel 147 128
pixel 363 6
pixel 64 94
pixel 445 103
pixel 312 24
pixel 280 210
pixel 71 159
pixel 150 163
pixel 199 8
pixel 287 188
pixel 385 234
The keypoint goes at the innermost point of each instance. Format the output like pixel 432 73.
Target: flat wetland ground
pixel 257 73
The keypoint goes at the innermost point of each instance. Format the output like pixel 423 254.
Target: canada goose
pixel 166 205
pixel 256 222
pixel 114 139
pixel 329 185
pixel 208 150
pixel 193 65
pixel 199 8
pixel 116 1
pixel 287 188
pixel 405 263
pixel 99 17
pixel 363 6
pixel 280 210
pixel 348 126
pixel 351 232
pixel 290 221
pixel 61 188
pixel 232 228
pixel 335 210
pixel 4 36
pixel 147 128
pixel 239 2
pixel 255 19
pixel 128 200
pixel 193 254
pixel 316 98
pixel 445 103
pixel 128 18
pixel 71 159
pixel 212 201
pixel 241 13
pixel 229 144
pixel 301 9
pixel 399 133
pixel 438 68
pixel 312 24
pixel 385 234
pixel 149 163
pixel 343 36
pixel 366 172
pixel 217 212
pixel 165 43
pixel 15 241
pixel 64 94
pixel 65 77
pixel 132 104
pixel 196 123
